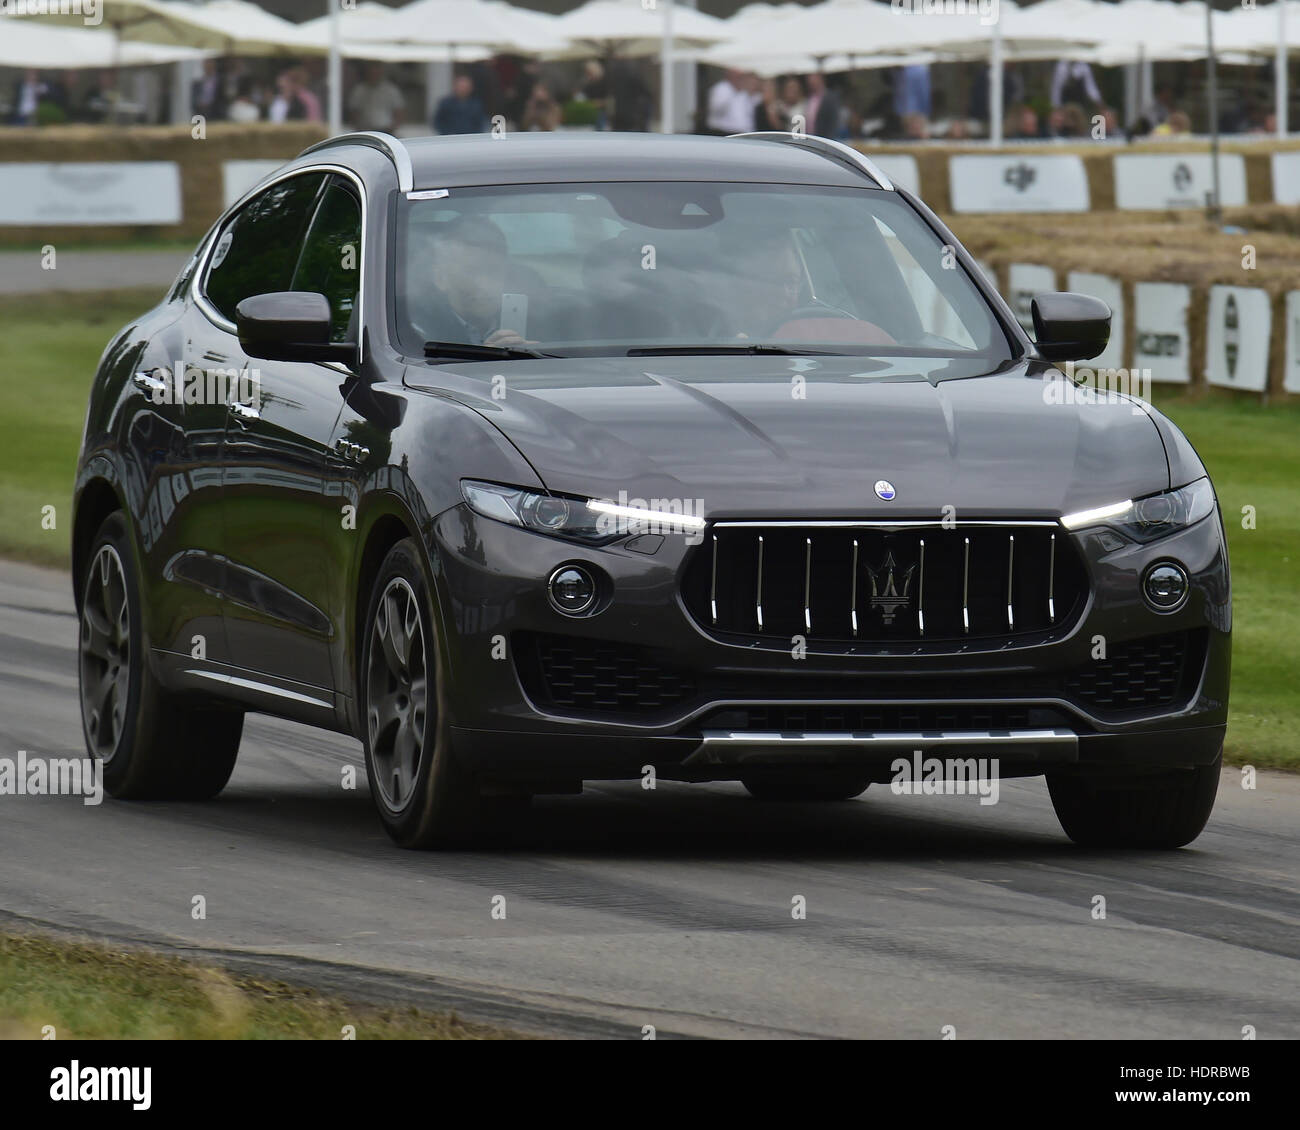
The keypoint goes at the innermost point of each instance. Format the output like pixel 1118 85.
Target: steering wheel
pixel 817 310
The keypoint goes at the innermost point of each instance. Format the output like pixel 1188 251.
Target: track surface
pixel 626 907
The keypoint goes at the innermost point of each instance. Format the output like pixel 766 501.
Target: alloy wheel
pixel 105 653
pixel 397 693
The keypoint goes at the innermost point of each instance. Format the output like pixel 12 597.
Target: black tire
pixel 152 744
pixel 426 797
pixel 830 785
pixel 1158 810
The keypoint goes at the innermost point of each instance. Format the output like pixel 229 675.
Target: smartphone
pixel 514 313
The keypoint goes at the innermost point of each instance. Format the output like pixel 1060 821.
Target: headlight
pixel 553 514
pixel 594 521
pixel 1146 519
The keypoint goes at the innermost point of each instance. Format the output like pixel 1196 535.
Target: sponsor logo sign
pixel 1018 183
pixel 35 194
pixel 1160 330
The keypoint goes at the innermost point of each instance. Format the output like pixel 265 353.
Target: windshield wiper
pixel 466 351
pixel 738 350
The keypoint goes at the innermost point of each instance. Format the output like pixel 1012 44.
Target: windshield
pixel 680 267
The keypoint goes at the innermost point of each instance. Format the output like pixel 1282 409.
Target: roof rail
pixel 836 150
pixel 384 142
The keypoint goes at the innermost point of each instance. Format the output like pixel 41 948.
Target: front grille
pixel 592 676
pixel 885 585
pixel 1139 674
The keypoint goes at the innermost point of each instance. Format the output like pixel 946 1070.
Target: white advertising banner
pixel 1160 341
pixel 1015 182
pixel 1286 177
pixel 1026 281
pixel 1111 292
pixel 237 177
pixel 1291 378
pixel 900 168
pixel 34 194
pixel 1156 181
pixel 1237 328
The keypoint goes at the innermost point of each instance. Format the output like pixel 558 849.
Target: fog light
pixel 572 590
pixel 1165 586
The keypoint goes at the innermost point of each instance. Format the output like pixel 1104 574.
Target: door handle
pixel 150 384
pixel 244 412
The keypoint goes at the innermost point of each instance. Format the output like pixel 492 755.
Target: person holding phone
pixel 468 302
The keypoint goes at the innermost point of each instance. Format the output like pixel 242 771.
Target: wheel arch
pixel 96 501
pixel 390 523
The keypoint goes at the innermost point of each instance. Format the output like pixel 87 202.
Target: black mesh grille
pixel 898 585
pixel 592 676
pixel 1134 675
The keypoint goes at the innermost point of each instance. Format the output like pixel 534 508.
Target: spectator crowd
pixel 915 102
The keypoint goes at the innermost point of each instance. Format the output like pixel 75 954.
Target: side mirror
pixel 1070 327
pixel 289 325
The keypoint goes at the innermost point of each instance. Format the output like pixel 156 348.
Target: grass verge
pixel 94 992
pixel 51 343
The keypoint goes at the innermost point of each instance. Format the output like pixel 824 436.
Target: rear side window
pixel 258 250
pixel 330 263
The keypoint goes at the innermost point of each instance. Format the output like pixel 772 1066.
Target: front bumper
pixel 490 580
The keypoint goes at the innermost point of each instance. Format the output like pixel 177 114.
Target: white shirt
pixel 731 110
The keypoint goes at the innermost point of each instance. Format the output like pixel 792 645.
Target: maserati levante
pixel 543 459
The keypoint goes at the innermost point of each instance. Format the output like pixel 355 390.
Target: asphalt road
pixel 672 908
pixel 21 272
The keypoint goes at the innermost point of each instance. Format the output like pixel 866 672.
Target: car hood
pixel 771 436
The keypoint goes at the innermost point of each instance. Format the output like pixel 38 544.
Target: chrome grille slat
pixel 965 586
pixel 1011 574
pixel 906 582
pixel 920 593
pixel 1051 583
pixel 853 600
pixel 807 586
pixel 713 583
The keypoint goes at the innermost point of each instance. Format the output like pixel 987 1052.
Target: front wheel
pixel 1157 810
pixel 425 796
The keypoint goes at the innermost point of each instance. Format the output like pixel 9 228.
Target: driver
pixel 768 282
pixel 466 276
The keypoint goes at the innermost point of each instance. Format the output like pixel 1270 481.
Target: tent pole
pixel 995 86
pixel 1279 67
pixel 1213 209
pixel 335 68
pixel 666 108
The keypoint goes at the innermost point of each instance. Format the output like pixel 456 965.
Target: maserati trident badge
pixel 885 490
pixel 885 593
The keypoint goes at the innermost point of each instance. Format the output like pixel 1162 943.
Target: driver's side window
pixel 258 250
pixel 330 263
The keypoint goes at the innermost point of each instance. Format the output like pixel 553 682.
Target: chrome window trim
pixel 200 275
pixel 827 147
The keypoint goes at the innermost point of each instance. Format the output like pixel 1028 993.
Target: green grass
pixel 95 992
pixel 49 345
pixel 1252 452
